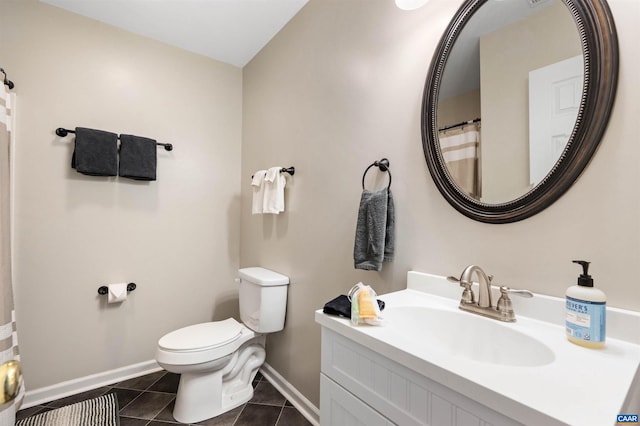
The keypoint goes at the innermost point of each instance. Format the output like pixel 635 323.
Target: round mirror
pixel 516 101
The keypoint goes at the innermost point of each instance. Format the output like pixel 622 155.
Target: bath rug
pixel 100 411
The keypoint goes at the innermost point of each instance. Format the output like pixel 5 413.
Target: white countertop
pixel 579 387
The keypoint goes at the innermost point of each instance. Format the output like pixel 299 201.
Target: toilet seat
pixel 201 337
pixel 202 343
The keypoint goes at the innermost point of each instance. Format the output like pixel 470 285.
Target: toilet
pixel 217 361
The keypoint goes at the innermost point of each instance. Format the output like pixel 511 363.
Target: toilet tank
pixel 263 299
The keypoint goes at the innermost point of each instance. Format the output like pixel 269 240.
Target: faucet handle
pixel 467 293
pixel 505 291
pixel 505 306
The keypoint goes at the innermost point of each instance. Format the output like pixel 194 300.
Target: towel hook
pixel 383 165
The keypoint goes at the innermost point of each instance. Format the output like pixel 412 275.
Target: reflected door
pixel 555 93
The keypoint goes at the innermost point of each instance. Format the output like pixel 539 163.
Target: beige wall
pixel 340 87
pixel 177 238
pixel 460 108
pixel 506 57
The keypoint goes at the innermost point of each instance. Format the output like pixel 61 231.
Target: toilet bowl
pixel 217 361
pixel 214 358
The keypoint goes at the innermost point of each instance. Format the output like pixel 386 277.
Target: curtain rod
pixel 6 81
pixel 475 120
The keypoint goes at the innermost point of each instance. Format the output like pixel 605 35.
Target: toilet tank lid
pixel 262 276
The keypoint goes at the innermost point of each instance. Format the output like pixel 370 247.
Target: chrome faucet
pixel 484 284
pixel 503 310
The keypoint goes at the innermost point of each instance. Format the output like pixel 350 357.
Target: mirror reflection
pixel 514 77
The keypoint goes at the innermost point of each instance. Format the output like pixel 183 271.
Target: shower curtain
pixel 8 336
pixel 461 151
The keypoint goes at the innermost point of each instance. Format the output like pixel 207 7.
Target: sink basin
pixel 465 335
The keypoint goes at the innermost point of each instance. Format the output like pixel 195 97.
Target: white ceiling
pixel 231 31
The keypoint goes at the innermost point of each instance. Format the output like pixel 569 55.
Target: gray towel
pixel 390 234
pixel 138 157
pixel 95 152
pixel 375 230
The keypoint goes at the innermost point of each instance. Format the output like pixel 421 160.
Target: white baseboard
pixel 71 387
pixel 83 384
pixel 302 404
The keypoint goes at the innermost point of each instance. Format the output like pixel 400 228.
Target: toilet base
pixel 196 404
pixel 202 396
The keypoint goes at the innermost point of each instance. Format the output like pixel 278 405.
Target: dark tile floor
pixel 148 401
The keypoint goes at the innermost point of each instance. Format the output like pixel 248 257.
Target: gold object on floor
pixel 10 381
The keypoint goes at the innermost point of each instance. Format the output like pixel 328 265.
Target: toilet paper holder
pixel 102 290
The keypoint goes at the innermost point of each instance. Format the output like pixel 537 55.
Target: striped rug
pixel 100 411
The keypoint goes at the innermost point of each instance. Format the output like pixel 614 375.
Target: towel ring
pixel 383 165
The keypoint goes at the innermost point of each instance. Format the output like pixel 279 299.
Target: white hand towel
pixel 274 183
pixel 257 184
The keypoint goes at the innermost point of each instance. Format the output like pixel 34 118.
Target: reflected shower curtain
pixel 461 151
pixel 8 335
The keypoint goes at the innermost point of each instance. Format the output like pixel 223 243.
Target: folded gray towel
pixel 375 230
pixel 138 157
pixel 95 152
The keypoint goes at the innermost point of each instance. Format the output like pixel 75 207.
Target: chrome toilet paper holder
pixel 102 290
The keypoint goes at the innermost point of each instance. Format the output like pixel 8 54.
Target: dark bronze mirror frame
pixel 600 51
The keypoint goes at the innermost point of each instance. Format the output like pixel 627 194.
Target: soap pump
pixel 586 311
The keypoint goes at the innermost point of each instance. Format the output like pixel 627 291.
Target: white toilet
pixel 218 360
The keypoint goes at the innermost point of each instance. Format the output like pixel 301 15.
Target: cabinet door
pixel 340 408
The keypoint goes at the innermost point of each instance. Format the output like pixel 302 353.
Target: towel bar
pixel 102 290
pixel 291 170
pixel 64 132
pixel 383 165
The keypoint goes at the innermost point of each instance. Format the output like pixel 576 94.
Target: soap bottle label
pixel 586 320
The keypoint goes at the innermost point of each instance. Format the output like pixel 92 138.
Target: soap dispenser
pixel 586 311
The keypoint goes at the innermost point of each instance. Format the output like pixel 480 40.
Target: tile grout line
pixel 140 392
pixel 240 413
pixel 136 418
pixel 279 416
pixel 159 378
pixel 129 403
pixel 163 408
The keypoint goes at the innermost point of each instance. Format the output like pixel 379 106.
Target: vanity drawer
pixel 398 393
pixel 340 408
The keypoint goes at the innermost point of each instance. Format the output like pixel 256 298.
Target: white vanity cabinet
pixel 361 387
pixel 434 364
